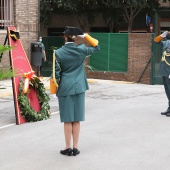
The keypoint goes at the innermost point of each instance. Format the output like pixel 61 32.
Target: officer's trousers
pixel 166 83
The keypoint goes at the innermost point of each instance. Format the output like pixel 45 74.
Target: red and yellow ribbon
pixel 27 76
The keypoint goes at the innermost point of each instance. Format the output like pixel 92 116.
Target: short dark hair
pixel 69 38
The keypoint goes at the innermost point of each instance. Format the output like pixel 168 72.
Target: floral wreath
pixel 26 109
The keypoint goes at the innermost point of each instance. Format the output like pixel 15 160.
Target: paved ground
pixel 123 131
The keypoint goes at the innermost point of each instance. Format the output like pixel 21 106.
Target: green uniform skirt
pixel 72 108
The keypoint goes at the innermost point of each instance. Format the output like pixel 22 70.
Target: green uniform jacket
pixel 70 72
pixel 164 68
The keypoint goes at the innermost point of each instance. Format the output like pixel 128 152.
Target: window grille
pixel 6 13
pixel 165 23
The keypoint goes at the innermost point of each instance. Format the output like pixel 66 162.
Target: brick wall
pixel 139 53
pixel 5 58
pixel 26 22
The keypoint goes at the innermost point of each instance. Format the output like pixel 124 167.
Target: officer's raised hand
pixel 164 34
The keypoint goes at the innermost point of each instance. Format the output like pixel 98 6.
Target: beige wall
pixel 163 4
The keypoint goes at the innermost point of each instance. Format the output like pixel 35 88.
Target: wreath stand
pixel 32 105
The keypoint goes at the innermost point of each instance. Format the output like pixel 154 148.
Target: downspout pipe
pixel 38 19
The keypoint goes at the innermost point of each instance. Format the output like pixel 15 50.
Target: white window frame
pixel 7 13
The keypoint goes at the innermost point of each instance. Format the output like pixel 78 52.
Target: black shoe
pixel 67 152
pixel 165 113
pixel 75 151
pixel 168 114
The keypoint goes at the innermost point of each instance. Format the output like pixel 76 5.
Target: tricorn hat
pixel 71 31
pixel 14 35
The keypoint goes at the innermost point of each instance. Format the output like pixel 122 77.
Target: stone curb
pixel 91 81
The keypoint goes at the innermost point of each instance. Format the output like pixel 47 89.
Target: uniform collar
pixel 69 42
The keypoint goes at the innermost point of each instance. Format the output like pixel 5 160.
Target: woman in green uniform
pixel 72 81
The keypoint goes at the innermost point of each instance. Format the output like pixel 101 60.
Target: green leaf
pixel 4 48
pixel 7 73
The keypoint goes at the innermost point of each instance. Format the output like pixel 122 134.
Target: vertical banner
pixel 20 63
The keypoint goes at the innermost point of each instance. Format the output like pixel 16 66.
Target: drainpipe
pixel 144 70
pixel 28 22
pixel 38 19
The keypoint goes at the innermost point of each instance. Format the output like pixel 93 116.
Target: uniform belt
pixel 165 54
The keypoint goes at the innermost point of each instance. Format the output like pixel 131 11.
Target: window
pixel 164 24
pixel 6 13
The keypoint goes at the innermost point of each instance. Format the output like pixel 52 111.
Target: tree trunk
pixel 111 27
pixel 130 25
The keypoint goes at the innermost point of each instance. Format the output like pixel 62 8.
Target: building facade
pixel 159 21
pixel 24 15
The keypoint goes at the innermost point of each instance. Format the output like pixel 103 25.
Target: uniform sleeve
pixel 164 44
pixel 43 49
pixel 57 70
pixel 158 39
pixel 91 50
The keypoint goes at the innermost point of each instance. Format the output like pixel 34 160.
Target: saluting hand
pixel 164 34
pixel 81 36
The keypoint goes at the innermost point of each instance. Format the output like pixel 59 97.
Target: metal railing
pixel 6 13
